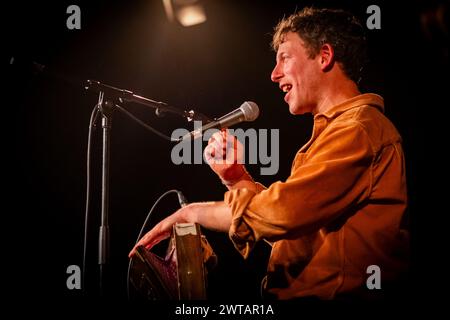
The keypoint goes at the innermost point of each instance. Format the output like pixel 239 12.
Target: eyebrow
pixel 280 53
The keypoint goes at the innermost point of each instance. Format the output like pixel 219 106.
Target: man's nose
pixel 276 73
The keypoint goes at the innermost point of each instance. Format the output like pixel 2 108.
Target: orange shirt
pixel 339 211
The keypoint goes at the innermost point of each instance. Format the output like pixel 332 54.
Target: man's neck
pixel 337 92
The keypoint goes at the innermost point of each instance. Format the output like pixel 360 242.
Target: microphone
pixel 248 111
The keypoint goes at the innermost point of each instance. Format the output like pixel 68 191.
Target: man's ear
pixel 326 57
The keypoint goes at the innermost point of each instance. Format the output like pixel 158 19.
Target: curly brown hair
pixel 338 28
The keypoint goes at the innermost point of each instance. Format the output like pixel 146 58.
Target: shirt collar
pixel 360 100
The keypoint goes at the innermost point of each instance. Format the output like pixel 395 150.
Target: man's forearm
pixel 211 215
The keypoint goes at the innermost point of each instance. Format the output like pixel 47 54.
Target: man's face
pixel 298 76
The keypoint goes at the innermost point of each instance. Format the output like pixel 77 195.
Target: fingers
pixel 151 239
pixel 157 240
pixel 220 137
pixel 223 148
pixel 214 151
pixel 161 231
pixel 209 153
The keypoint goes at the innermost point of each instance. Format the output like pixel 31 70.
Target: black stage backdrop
pixel 212 67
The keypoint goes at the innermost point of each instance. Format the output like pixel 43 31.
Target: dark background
pixel 213 68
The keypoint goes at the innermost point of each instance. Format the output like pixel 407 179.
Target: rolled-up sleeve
pixel 333 175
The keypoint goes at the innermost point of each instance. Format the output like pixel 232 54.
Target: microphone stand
pixel 106 107
pixel 128 96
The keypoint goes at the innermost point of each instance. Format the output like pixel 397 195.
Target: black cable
pixel 92 120
pixel 181 200
pixel 146 126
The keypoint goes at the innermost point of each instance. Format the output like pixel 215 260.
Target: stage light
pixel 186 12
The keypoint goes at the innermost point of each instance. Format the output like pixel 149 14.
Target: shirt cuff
pixel 240 234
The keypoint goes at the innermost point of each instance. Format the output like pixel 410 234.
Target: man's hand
pixel 224 154
pixel 163 229
pixel 212 215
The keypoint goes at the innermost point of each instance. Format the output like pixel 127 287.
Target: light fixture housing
pixel 185 12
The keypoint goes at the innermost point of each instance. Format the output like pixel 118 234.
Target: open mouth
pixel 286 88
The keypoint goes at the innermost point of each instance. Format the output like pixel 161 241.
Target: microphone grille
pixel 250 110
